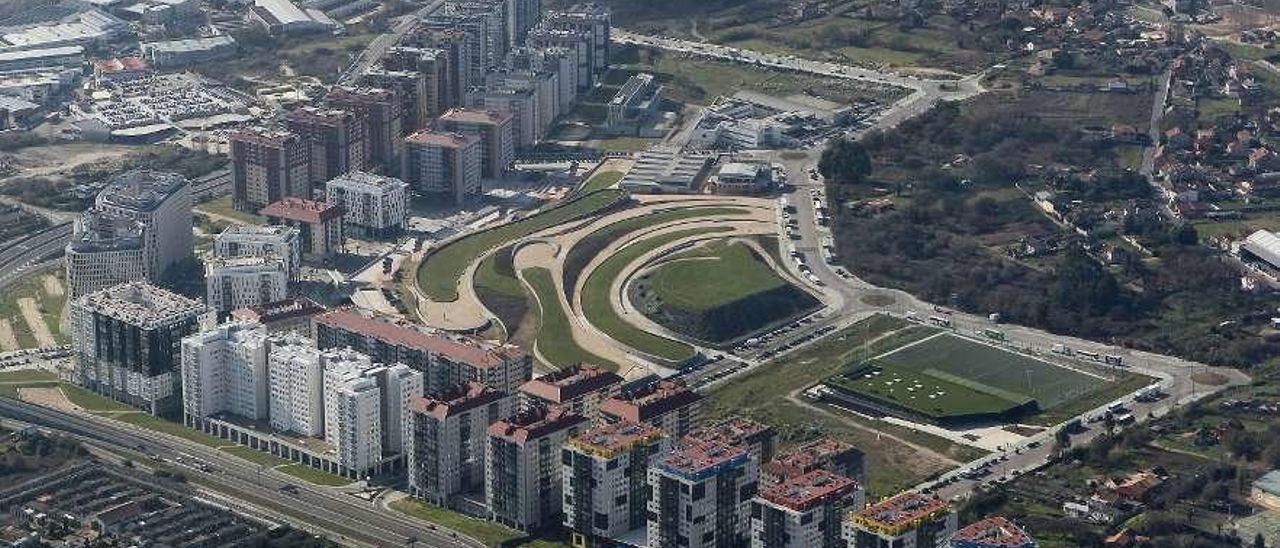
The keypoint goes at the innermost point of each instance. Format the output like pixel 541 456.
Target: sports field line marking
pixel 1035 358
pixel 908 345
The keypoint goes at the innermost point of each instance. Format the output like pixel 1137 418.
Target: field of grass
pixel 222 207
pixel 934 395
pixel 555 336
pixel 311 475
pixel 600 181
pixel 599 311
pixel 1000 370
pixel 26 375
pixel 151 422
pixel 488 532
pixel 32 286
pixel 91 401
pixel 726 274
pixel 439 273
pixel 625 144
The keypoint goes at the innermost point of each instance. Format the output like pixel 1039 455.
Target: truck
pixel 1112 359
pixel 1091 355
pixel 1061 349
pixel 940 321
pixel 994 334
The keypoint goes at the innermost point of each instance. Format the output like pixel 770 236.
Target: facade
pixel 161 201
pixel 454 44
pixel 449 438
pixel 804 511
pixel 242 282
pixel 319 225
pixel 375 206
pixel 105 250
pixel 497 140
pixel 410 87
pixel 383 115
pixel 668 405
pixel 447 363
pixel 191 51
pixel 278 242
pixel 432 69
pixel 909 519
pixel 700 496
pixel 822 454
pixel 334 139
pixel 292 315
pixel 636 101
pixel 285 17
pixel 400 386
pixel 61 56
pixel 522 105
pixel 352 409
pixel 523 486
pixel 992 532
pixel 296 379
pixel 593 22
pixel 743 178
pixel 443 164
pixel 605 475
pixel 579 388
pixel 666 171
pixel 126 340
pixel 224 371
pixel 266 166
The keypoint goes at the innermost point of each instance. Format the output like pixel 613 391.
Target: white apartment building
pixel 297 386
pixel 400 386
pixel 375 206
pixel 450 435
pixel 523 485
pixel 352 410
pixel 283 242
pixel 241 282
pixel 805 511
pixel 161 201
pixel 224 370
pixel 605 475
pixel 105 250
pixel 688 505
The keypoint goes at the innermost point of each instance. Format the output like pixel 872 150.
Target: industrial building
pixel 145 373
pixel 285 17
pixel 189 51
pixel 61 56
pixel 667 171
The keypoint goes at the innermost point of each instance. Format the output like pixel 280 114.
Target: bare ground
pixel 52 285
pixel 35 321
pixel 8 341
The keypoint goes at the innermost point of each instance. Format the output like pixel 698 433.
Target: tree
pixel 1259 542
pixel 1083 285
pixel 845 161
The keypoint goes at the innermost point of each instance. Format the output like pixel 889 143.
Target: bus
pixel 1091 355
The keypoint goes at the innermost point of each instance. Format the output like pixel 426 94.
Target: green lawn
pixel 439 274
pixel 555 337
pixel 26 375
pixel 924 392
pixel 599 311
pixel 311 475
pixel 488 532
pixel 600 181
pixel 626 144
pixel 255 456
pixel 91 401
pixel 151 422
pixel 222 206
pixel 724 275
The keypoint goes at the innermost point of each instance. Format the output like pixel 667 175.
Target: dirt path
pixel 35 321
pixel 48 397
pixel 52 286
pixel 8 341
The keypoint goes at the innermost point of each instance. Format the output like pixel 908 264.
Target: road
pixel 354 521
pixel 1154 133
pixel 21 256
pixel 373 52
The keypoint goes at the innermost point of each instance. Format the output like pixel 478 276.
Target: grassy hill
pixel 718 294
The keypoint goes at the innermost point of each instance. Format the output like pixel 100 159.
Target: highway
pixel 19 257
pixel 353 521
pixel 377 48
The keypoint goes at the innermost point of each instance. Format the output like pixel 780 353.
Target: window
pixel 620 500
pixel 699 491
pixel 806 518
pixel 611 465
pixel 566 457
pixel 602 521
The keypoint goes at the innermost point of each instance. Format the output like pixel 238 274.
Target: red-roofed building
pixel 701 496
pixel 443 164
pixel 268 165
pixel 450 434
pixel 668 405
pixel 606 477
pixel 319 224
pixel 581 388
pixel 804 511
pixel 447 362
pixel 992 532
pixel 906 519
pixel 523 483
pixel 756 436
pixel 290 315
pixel 822 454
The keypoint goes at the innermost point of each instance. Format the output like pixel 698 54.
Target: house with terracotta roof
pixel 992 532
pixel 822 454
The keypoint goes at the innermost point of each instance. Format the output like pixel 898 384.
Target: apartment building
pixel 334 138
pixel 759 438
pixel 432 68
pixel 447 363
pixel 126 341
pixel 224 372
pixel 992 532
pixel 443 164
pixel 455 46
pixel 907 519
pixel 700 496
pixel 496 133
pixel 450 436
pixel 105 249
pixel 352 409
pixel 283 243
pixel 804 511
pixel 291 315
pixel 383 113
pixel 668 405
pixel 161 201
pixel 523 485
pixel 268 165
pixel 319 225
pixel 579 388
pixel 296 379
pixel 375 206
pixel 522 104
pixel 821 454
pixel 242 282
pixel 400 385
pixel 605 475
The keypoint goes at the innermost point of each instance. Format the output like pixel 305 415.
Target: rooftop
pixel 475 116
pixel 992 532
pixel 653 400
pixel 367 182
pixel 734 430
pixel 570 383
pixel 303 210
pixel 287 309
pixel 806 457
pixel 42 53
pixel 190 44
pixel 141 304
pixel 900 511
pixel 524 428
pixel 1269 483
pixel 263 136
pixel 99 230
pixel 476 395
pixel 242 263
pixel 140 189
pixel 695 461
pixel 740 170
pixel 806 491
pixel 402 333
pixel 442 139
pixel 316 115
pixel 607 440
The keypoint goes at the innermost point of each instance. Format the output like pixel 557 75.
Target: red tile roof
pixel 731 431
pixel 571 383
pixel 522 429
pixel 402 333
pixel 476 395
pixel 441 139
pixel 653 401
pixel 474 116
pixel 302 210
pixel 806 491
pixel 805 458
pixel 608 439
pixel 993 532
